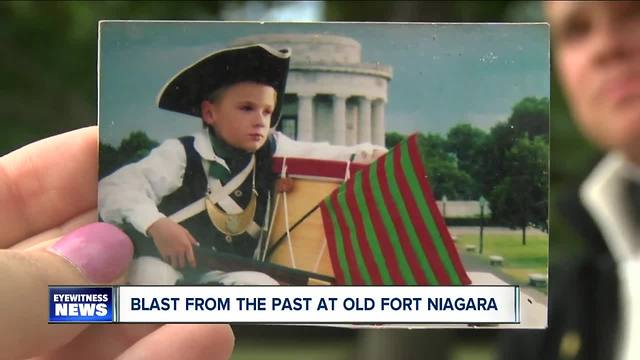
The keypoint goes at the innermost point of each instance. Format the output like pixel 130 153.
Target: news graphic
pixel 81 304
pixel 362 305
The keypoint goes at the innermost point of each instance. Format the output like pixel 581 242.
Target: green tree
pixel 502 181
pixel 133 148
pixel 109 160
pixel 136 146
pixel 445 177
pixel 392 139
pixel 443 173
pixel 434 147
pixel 466 142
pixel 492 154
pixel 530 117
pixel 520 198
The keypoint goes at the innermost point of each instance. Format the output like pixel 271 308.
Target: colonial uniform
pixel 199 179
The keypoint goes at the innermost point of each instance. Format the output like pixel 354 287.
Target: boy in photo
pixel 211 191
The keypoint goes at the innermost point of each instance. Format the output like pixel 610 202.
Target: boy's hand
pixel 174 243
pixel 378 152
pixel 369 156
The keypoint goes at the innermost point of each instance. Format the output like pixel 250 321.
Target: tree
pixel 434 148
pixel 136 146
pixel 444 174
pixel 133 148
pixel 509 170
pixel 465 142
pixel 492 154
pixel 446 179
pixel 109 160
pixel 392 139
pixel 530 117
pixel 520 198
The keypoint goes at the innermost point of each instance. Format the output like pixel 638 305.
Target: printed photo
pixel 328 153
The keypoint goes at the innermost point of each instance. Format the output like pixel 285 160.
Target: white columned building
pixel 305 117
pixel 331 94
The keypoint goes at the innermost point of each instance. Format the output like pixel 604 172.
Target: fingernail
pixel 100 251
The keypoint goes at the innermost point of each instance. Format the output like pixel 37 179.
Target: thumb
pixel 97 253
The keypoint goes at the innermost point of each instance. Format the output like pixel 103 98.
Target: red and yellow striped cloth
pixel 383 226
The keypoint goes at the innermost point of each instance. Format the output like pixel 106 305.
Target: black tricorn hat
pixel 256 63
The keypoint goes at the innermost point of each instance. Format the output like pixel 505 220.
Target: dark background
pixel 48 86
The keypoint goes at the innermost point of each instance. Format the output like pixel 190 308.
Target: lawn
pixel 519 260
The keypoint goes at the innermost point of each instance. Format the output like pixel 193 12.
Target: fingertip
pixel 186 341
pixel 225 340
pixel 100 251
pixel 193 240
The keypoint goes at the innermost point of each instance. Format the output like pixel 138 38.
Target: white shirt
pixel 602 193
pixel 133 192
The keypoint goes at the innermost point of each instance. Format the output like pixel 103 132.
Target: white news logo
pixel 81 309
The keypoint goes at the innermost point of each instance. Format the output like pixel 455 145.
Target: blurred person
pixel 594 305
pixel 49 236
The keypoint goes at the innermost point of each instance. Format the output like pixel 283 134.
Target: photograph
pixel 248 153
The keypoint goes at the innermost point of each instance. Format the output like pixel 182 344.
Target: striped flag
pixel 383 226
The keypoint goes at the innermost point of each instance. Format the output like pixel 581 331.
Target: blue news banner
pixel 288 304
pixel 82 304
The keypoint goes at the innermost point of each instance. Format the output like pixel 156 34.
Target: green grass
pixel 519 260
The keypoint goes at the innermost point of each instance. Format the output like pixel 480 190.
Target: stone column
pixel 352 124
pixel 364 120
pixel 305 117
pixel 378 122
pixel 339 119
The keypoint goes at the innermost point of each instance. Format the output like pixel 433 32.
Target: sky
pixel 443 74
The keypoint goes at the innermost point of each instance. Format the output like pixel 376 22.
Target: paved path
pixel 533 303
pixel 474 263
pixel 464 230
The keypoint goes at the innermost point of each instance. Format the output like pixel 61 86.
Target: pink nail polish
pixel 100 251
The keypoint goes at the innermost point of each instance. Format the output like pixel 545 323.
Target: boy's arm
pixel 364 153
pixel 133 192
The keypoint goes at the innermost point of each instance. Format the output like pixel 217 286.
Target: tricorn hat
pixel 256 63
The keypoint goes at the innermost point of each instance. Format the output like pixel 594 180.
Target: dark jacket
pixel 583 300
